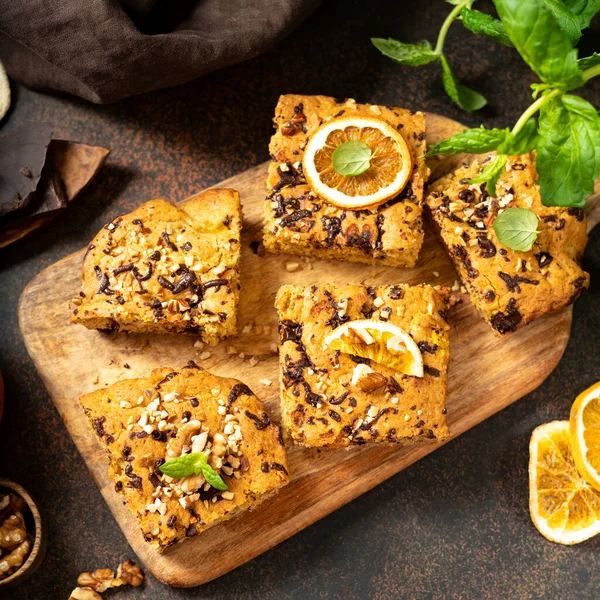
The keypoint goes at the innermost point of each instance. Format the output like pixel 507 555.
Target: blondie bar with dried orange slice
pixel 346 181
pixel 363 364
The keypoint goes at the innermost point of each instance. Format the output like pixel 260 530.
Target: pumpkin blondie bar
pixel 334 399
pixel 166 269
pixel 508 287
pixel 297 221
pixel 144 422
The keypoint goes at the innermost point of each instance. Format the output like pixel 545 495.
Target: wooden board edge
pixel 344 495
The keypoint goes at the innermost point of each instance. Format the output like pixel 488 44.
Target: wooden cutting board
pixel 486 374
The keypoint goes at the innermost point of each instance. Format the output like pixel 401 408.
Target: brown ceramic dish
pixel 35 528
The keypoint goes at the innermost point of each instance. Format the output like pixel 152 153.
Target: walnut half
pixel 130 574
pixel 366 379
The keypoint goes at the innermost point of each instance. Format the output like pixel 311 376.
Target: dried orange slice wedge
pixel 585 434
pixel 564 507
pixel 383 343
pixel 357 162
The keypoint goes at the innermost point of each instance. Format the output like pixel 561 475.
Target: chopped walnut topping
pixel 366 379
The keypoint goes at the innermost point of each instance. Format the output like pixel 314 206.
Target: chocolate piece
pixel 76 165
pixel 50 195
pixel 22 158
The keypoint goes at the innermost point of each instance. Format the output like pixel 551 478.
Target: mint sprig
pixel 193 464
pixel 351 158
pixel 415 55
pixel 566 135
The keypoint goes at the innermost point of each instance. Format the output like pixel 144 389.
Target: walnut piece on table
pixel 98 580
pixel 93 582
pixel 130 574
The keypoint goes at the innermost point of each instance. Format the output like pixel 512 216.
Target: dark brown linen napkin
pixel 105 50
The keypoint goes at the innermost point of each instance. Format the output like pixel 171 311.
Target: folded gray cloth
pixel 105 50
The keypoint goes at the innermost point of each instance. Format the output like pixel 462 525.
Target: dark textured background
pixel 454 525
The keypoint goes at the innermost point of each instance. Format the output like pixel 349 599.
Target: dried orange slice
pixel 585 434
pixel 564 507
pixel 383 343
pixel 377 164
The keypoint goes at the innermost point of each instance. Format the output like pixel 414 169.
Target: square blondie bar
pixel 320 404
pixel 166 269
pixel 143 422
pixel 508 287
pixel 299 222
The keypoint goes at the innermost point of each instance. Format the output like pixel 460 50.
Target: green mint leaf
pixel 538 38
pixel 188 464
pixel 482 24
pixel 524 141
pixel 351 158
pixel 568 151
pixel 413 55
pixel 193 464
pixel 460 94
pixel 213 477
pixel 477 141
pixel 516 228
pixel 566 19
pixel 490 174
pixel 589 61
pixel 584 9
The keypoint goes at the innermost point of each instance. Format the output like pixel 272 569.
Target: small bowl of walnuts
pixel 22 538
